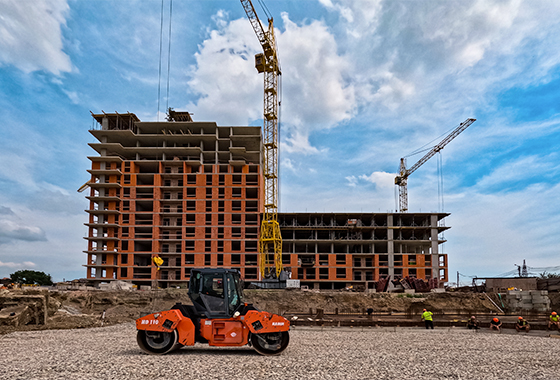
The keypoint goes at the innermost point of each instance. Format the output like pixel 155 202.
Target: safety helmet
pixel 495 319
pixel 473 317
pixel 520 318
pixel 553 313
pixel 423 309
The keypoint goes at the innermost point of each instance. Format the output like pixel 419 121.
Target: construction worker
pixel 427 317
pixel 496 324
pixel 473 323
pixel 522 325
pixel 553 320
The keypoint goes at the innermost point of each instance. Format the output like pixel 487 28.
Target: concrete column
pixel 435 246
pixel 390 246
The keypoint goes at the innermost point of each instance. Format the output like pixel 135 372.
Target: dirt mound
pixel 77 309
pixel 282 301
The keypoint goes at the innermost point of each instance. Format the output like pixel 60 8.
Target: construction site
pixel 176 202
pixel 192 194
pixel 166 197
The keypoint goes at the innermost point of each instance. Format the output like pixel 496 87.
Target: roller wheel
pixel 270 343
pixel 157 342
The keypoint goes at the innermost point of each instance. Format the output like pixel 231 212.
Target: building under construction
pixel 192 194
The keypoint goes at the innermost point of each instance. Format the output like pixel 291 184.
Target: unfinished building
pixel 186 191
pixel 336 250
pixel 192 194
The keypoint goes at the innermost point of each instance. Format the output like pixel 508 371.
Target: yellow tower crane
pixel 270 239
pixel 402 178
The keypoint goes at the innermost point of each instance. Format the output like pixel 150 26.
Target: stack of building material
pixel 521 300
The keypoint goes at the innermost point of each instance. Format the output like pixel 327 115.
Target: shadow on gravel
pixel 199 351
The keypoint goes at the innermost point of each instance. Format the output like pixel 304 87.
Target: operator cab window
pixel 212 294
pixel 234 293
pixel 213 285
pixel 216 294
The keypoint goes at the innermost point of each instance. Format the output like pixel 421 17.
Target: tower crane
pixel 270 239
pixel 401 179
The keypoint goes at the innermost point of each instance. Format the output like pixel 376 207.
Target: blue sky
pixel 364 83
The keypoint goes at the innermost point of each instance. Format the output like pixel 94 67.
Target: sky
pixel 364 83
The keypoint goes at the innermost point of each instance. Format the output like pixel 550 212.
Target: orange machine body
pixel 218 332
pixel 218 316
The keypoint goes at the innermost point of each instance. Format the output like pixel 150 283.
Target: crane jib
pixel 401 179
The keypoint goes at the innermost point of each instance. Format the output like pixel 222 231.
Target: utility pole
pixel 524 270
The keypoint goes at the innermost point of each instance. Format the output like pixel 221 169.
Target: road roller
pixel 218 316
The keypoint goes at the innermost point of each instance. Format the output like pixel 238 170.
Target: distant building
pixel 191 193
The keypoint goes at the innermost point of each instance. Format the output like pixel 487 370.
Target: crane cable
pixel 169 52
pixel 440 182
pixel 278 139
pixel 265 9
pixel 160 54
pixel 428 145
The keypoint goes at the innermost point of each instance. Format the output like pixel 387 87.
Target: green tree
pixel 31 277
pixel 546 275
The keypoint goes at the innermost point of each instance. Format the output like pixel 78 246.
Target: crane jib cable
pixel 169 53
pixel 425 147
pixel 160 54
pixel 265 9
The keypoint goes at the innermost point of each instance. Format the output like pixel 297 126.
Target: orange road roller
pixel 218 317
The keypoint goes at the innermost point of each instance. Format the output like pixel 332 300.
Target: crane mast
pixel 401 179
pixel 270 239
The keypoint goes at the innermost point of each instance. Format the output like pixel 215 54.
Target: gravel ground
pixel 112 353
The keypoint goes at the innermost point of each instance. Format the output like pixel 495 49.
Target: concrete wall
pixel 502 284
pixel 528 300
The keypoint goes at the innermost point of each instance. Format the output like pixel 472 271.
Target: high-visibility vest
pixel 555 318
pixel 427 315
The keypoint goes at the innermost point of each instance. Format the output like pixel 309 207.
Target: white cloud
pixel 298 142
pixel 380 179
pixel 436 62
pixel 502 229
pixel 225 79
pixel 327 3
pixel 23 237
pixel 352 181
pixel 11 231
pixel 25 264
pixel 286 164
pixel 316 92
pixel 520 170
pixel 73 96
pixel 31 37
